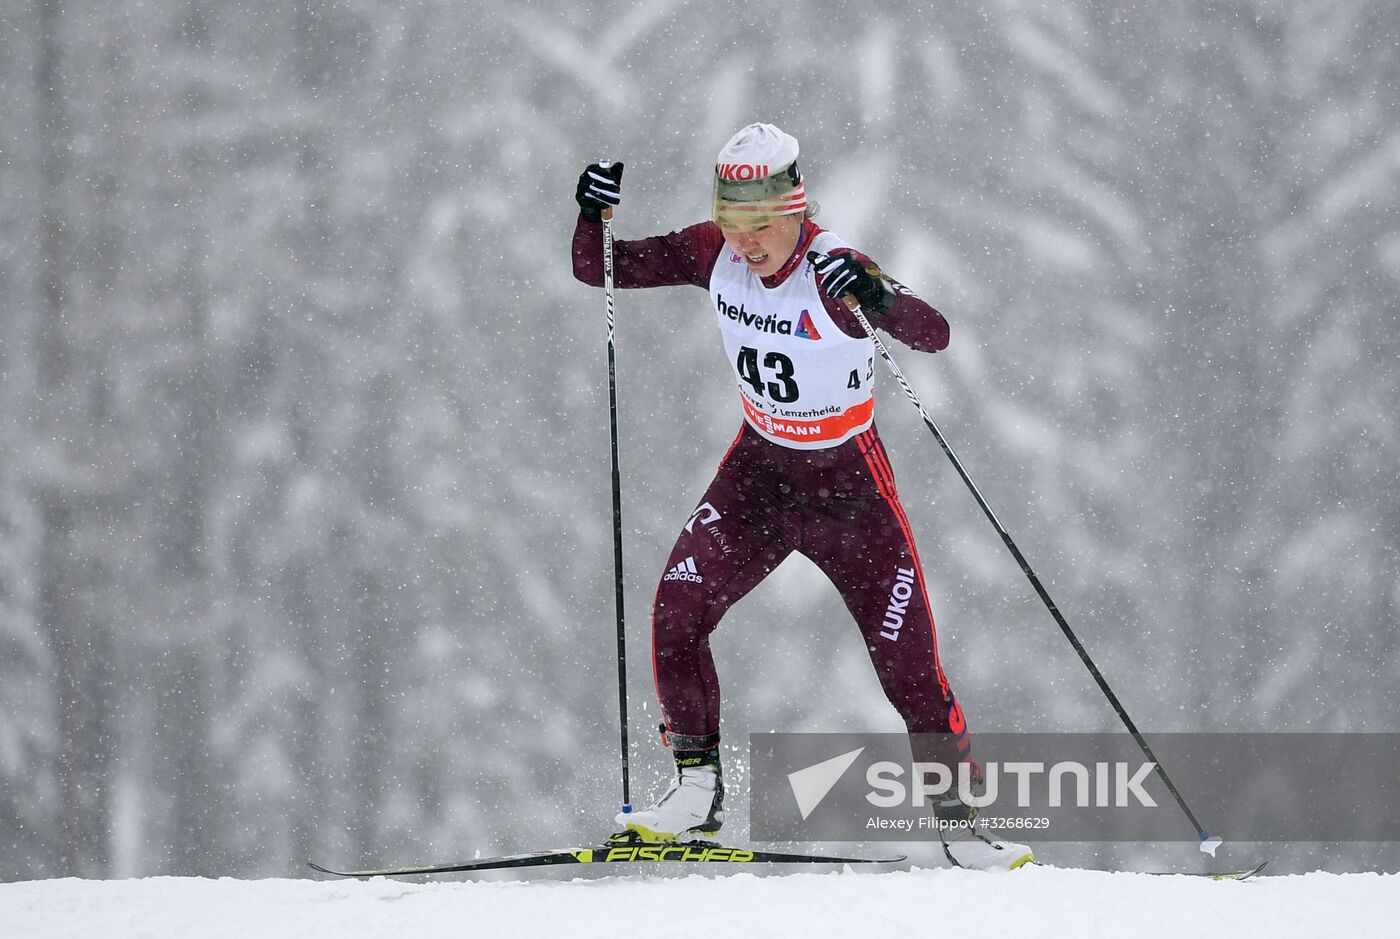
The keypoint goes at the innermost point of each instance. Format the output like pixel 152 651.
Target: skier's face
pixel 767 246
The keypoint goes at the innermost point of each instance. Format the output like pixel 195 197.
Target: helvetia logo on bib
pixel 768 323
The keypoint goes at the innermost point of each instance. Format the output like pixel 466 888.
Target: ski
pixel 700 852
pixel 691 853
pixel 1215 875
pixel 1208 875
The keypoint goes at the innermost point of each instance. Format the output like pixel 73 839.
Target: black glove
pixel 599 188
pixel 842 274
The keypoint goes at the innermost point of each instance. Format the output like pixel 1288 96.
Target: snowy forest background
pixel 305 544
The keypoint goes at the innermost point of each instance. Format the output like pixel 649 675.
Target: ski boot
pixel 692 808
pixel 967 845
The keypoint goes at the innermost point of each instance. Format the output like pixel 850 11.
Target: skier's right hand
pixel 599 188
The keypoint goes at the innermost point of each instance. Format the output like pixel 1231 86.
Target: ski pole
pixel 1209 842
pixel 616 502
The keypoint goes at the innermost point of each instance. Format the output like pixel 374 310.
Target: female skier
pixel 806 473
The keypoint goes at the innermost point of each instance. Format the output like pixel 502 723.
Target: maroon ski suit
pixel 836 506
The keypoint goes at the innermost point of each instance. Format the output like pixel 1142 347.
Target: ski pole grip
pixel 849 299
pixel 607 209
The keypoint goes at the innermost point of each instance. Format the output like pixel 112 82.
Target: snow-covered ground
pixel 1032 902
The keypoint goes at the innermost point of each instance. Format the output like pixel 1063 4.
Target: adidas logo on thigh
pixel 685 570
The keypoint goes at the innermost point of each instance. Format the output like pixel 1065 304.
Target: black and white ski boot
pixel 692 808
pixel 967 845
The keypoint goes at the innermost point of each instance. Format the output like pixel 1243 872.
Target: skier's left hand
pixel 840 274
